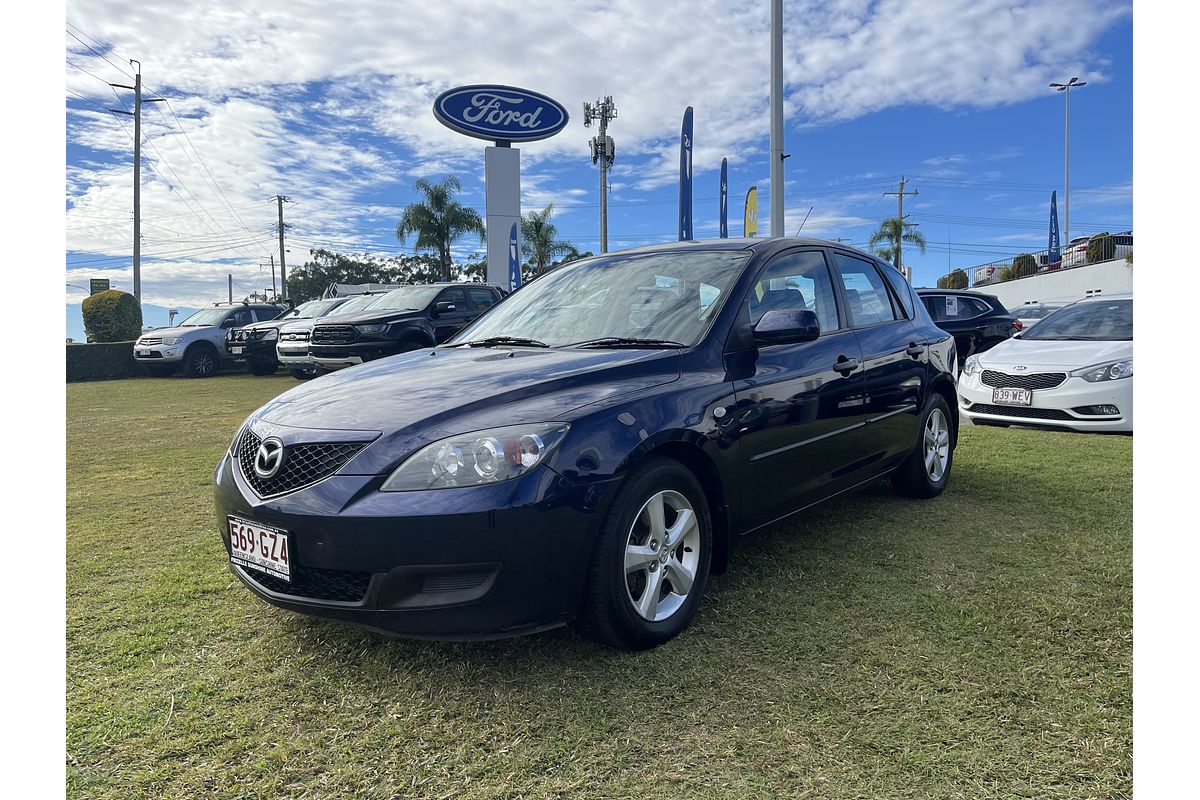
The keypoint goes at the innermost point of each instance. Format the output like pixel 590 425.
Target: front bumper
pixel 240 351
pixel 294 354
pixel 159 353
pixel 1060 407
pixel 475 562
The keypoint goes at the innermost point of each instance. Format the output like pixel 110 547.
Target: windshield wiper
pixel 494 341
pixel 625 341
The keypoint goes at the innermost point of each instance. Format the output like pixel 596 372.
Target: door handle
pixel 915 350
pixel 845 365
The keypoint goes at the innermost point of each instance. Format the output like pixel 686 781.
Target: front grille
pixel 1021 411
pixel 334 334
pixel 1038 380
pixel 341 586
pixel 303 464
pixel 146 342
pixel 296 336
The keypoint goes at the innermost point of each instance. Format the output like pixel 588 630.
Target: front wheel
pixel 200 361
pixel 926 471
pixel 650 565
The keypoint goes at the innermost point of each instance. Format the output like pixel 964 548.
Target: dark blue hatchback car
pixel 591 448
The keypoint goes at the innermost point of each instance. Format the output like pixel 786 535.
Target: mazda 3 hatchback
pixel 590 450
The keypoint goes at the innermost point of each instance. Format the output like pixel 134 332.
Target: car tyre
pixel 201 361
pixel 302 373
pixel 262 366
pixel 656 536
pixel 926 471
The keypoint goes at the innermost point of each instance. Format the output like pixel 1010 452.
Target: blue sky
pixel 333 111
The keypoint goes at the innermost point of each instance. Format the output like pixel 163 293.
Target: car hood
pixel 364 317
pixel 176 331
pixel 293 325
pixel 266 324
pixel 425 395
pixel 1053 353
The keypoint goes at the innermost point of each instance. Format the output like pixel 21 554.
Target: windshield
pixel 668 296
pixel 309 310
pixel 354 304
pixel 407 298
pixel 1033 312
pixel 1100 321
pixel 205 317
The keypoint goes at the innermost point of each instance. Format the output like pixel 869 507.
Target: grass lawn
pixel 974 646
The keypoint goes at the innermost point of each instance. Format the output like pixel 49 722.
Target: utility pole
pixel 896 261
pixel 280 200
pixel 604 152
pixel 1066 88
pixel 777 155
pixel 274 292
pixel 137 173
pixel 231 288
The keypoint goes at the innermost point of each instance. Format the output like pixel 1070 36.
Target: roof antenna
pixel 810 208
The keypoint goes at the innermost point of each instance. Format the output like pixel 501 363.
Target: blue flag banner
pixel 685 177
pixel 514 260
pixel 1053 255
pixel 724 198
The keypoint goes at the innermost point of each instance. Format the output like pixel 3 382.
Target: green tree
pixel 957 279
pixel 1023 265
pixel 539 239
pixel 885 241
pixel 112 316
pixel 324 267
pixel 439 220
pixel 1101 248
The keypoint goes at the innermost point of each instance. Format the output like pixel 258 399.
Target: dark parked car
pixel 404 319
pixel 255 343
pixel 977 321
pixel 592 448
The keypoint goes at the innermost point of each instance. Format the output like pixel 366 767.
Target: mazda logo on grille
pixel 269 458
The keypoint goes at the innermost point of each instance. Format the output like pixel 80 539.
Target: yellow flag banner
pixel 750 223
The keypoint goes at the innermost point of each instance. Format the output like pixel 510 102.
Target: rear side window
pixel 866 295
pixel 902 289
pixel 943 307
pixel 481 299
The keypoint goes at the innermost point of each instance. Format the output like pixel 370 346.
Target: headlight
pixel 1106 372
pixel 270 335
pixel 972 366
pixel 379 327
pixel 171 341
pixel 473 459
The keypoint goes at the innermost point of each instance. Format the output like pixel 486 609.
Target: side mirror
pixel 443 308
pixel 787 326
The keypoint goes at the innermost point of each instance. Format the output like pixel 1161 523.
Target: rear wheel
pixel 200 361
pixel 926 471
pixel 651 560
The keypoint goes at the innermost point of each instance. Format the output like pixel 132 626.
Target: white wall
pixel 1065 285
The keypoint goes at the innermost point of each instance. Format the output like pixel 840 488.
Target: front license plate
pixel 145 353
pixel 1012 397
pixel 237 351
pixel 260 548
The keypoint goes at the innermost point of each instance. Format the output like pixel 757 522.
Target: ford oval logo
pixel 500 113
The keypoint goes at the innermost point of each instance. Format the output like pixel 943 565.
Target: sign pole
pixel 502 176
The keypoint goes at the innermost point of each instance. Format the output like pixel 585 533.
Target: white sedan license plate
pixel 237 351
pixel 145 353
pixel 1012 397
pixel 260 548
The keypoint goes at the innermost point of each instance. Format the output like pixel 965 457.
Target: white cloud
pixel 325 102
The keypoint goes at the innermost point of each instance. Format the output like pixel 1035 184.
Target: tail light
pixel 1017 325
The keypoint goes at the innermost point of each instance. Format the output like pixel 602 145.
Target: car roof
pixel 755 245
pixel 967 292
pixel 1100 298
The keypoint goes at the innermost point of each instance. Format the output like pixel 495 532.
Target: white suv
pixel 198 343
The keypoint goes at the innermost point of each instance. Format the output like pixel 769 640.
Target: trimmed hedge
pixel 1101 248
pixel 111 316
pixel 957 279
pixel 1023 265
pixel 101 362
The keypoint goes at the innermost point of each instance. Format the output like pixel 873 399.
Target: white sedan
pixel 1074 370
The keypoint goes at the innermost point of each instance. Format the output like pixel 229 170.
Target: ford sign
pixel 500 113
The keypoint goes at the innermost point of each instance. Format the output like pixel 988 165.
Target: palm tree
pixel 539 240
pixel 889 234
pixel 439 220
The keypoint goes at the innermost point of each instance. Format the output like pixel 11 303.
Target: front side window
pixel 670 296
pixel 796 281
pixel 454 296
pixel 866 296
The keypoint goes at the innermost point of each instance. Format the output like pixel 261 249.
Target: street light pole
pixel 1066 88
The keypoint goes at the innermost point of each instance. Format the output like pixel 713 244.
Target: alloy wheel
pixel 937 445
pixel 662 554
pixel 203 364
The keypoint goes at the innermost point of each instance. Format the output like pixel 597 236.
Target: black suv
pixel 977 321
pixel 255 344
pixel 404 319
